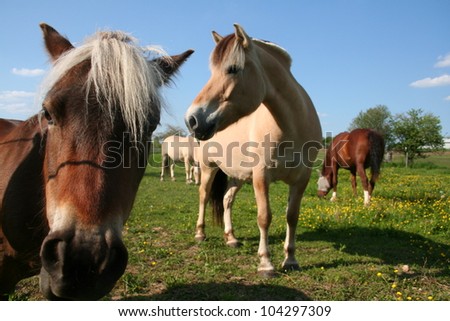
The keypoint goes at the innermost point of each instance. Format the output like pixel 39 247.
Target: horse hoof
pixel 291 267
pixel 234 244
pixel 200 238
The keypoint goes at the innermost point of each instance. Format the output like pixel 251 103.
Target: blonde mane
pixel 121 76
pixel 275 50
pixel 229 52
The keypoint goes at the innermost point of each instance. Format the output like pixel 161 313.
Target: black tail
pixel 376 154
pixel 218 189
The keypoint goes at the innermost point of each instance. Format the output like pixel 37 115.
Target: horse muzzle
pixel 322 194
pixel 80 266
pixel 202 121
pixel 201 129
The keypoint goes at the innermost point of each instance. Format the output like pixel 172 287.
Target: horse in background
pixel 180 149
pixel 65 194
pixel 256 124
pixel 354 151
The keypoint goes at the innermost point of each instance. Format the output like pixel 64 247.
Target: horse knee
pixel 264 221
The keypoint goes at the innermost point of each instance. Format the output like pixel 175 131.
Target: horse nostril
pixel 52 253
pixel 193 123
pixel 116 261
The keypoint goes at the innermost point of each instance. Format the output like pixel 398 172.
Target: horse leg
pixel 192 173
pixel 12 269
pixel 353 178
pixel 365 183
pixel 261 189
pixel 292 213
pixel 11 272
pixel 373 179
pixel 204 190
pixel 196 173
pixel 163 167
pixel 234 186
pixel 334 183
pixel 187 169
pixel 172 170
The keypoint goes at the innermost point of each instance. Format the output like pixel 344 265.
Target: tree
pixel 416 133
pixel 378 118
pixel 169 130
pixel 326 141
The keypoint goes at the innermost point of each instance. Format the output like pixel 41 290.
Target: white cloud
pixel 447 98
pixel 443 80
pixel 15 94
pixel 28 72
pixel 17 104
pixel 443 61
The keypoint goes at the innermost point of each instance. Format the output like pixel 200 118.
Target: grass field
pixel 396 249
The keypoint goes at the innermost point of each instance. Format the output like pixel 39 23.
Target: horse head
pixel 100 108
pixel 323 185
pixel 235 89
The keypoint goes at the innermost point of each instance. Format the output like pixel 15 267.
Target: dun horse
pixel 354 151
pixel 259 125
pixel 64 192
pixel 177 148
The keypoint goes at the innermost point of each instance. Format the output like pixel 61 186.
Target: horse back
pixel 179 148
pixel 365 146
pixel 340 152
pixel 7 125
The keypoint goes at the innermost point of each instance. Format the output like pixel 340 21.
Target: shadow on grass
pixel 391 246
pixel 225 292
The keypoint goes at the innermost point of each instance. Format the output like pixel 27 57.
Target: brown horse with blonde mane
pixel 257 124
pixel 64 192
pixel 354 151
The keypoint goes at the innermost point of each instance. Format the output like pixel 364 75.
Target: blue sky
pixel 349 55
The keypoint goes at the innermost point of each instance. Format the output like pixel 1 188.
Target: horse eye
pixel 47 116
pixel 232 70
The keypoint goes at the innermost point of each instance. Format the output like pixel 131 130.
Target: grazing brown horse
pixel 257 124
pixel 354 151
pixel 64 191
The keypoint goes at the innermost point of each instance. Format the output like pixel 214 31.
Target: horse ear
pixel 242 36
pixel 170 65
pixel 55 43
pixel 216 37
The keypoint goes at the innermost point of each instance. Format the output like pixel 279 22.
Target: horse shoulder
pixel 21 187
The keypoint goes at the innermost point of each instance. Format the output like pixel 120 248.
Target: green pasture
pixel 396 249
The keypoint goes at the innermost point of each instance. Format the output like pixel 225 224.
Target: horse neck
pixel 327 165
pixel 285 97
